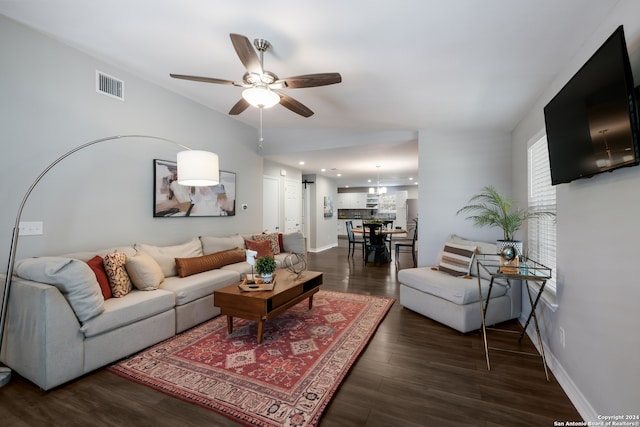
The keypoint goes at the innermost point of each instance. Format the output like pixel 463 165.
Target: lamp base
pixel 5 375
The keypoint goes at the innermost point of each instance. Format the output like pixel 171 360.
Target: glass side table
pixel 529 271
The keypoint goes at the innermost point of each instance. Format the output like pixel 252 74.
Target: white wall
pixel 598 282
pixel 102 195
pixel 322 234
pixel 473 160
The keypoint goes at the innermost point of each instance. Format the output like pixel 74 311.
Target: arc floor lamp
pixel 196 168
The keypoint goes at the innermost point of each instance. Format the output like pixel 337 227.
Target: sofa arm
pixel 42 340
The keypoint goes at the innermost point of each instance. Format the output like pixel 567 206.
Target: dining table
pixel 384 232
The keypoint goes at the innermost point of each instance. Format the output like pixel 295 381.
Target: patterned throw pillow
pixel 457 259
pixel 273 241
pixel 114 265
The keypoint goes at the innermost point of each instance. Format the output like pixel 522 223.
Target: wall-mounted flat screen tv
pixel 592 123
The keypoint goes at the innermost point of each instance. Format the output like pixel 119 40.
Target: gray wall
pixel 473 160
pixel 102 195
pixel 598 283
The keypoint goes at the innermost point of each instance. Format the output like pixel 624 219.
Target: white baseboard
pixel 574 394
pixel 324 248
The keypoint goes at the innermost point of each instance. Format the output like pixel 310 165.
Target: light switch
pixel 30 228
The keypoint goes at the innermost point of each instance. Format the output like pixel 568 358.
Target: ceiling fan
pixel 261 85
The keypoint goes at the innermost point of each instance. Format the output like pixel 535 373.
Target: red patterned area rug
pixel 287 380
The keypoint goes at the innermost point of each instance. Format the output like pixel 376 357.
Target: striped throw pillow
pixel 457 259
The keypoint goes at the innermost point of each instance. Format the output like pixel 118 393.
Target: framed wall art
pixel 171 199
pixel 328 207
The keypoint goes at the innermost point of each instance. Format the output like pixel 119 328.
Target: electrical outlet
pixel 30 228
pixel 562 337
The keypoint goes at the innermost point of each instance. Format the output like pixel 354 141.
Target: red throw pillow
pixel 280 243
pixel 263 247
pixel 97 265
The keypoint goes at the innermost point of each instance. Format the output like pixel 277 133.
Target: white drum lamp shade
pixel 198 168
pixel 261 97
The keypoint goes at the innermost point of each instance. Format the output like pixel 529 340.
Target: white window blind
pixel 542 198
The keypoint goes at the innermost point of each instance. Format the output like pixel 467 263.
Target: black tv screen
pixel 592 123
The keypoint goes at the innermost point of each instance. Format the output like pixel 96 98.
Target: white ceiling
pixel 406 65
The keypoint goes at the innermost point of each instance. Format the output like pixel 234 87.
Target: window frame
pixel 542 231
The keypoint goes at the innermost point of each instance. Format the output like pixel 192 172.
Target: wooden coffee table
pixel 264 305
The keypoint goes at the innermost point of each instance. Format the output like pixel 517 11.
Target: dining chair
pixel 353 241
pixel 374 243
pixel 408 246
pixel 388 224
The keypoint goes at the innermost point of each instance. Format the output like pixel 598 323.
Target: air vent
pixel 109 85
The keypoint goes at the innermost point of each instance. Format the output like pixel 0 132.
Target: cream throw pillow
pixel 144 271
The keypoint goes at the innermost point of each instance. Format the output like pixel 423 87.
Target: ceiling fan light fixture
pixel 261 97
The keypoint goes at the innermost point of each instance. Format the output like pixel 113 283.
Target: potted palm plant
pixel 492 209
pixel 265 266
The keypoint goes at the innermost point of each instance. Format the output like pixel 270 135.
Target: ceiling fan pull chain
pixel 261 138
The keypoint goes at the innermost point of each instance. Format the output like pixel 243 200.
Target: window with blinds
pixel 542 198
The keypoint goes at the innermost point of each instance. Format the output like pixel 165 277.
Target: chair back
pixel 350 234
pixel 371 235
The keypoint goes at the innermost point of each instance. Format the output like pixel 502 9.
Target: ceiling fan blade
pixel 239 107
pixel 311 80
pixel 295 106
pixel 246 53
pixel 204 79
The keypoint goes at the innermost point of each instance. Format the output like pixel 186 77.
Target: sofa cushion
pixel 165 256
pixel 239 267
pixel 135 306
pixel 144 271
pixel 191 288
pixel 119 280
pixel 74 278
pixel 458 290
pixel 272 238
pixel 457 259
pixel 97 265
pixel 87 255
pixel 262 247
pixel 188 266
pixel 213 244
pixel 294 242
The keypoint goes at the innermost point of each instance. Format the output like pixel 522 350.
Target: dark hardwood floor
pixel 414 372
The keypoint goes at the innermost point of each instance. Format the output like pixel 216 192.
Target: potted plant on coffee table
pixel 265 266
pixel 492 209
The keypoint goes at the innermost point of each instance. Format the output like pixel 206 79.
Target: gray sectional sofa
pixel 454 300
pixel 58 328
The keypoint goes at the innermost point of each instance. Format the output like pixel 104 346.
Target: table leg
pixel 483 310
pixel 310 302
pixel 534 304
pixel 229 324
pixel 260 330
